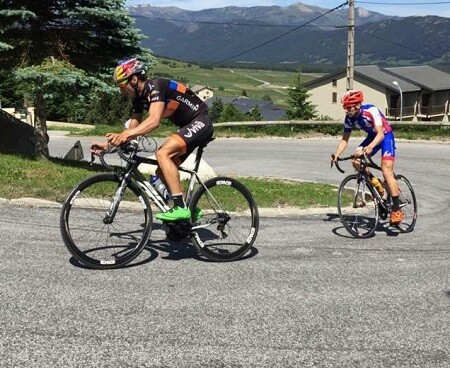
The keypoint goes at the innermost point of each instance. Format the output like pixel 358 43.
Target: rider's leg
pixel 387 167
pixel 166 156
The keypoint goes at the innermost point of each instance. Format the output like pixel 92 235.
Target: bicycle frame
pixel 216 231
pixel 132 172
pixel 356 222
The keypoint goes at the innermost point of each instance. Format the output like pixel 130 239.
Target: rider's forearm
pixel 377 140
pixel 145 127
pixel 341 147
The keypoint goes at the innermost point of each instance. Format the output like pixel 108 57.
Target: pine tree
pixel 90 34
pixel 231 113
pixel 255 114
pixel 55 41
pixel 298 106
pixel 216 109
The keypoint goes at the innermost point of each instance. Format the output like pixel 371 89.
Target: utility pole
pixel 351 44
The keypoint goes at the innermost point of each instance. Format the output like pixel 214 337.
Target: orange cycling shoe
pixel 396 217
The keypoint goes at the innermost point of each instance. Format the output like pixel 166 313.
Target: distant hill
pixel 213 35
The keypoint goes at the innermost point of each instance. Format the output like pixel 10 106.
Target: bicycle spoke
pixel 95 239
pixel 407 204
pixel 357 209
pixel 229 221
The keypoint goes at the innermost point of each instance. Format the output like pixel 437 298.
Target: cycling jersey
pixel 183 108
pixel 367 119
pixel 183 104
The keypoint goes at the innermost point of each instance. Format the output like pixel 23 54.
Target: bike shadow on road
pixel 177 250
pixel 382 226
pixel 174 251
pixel 141 260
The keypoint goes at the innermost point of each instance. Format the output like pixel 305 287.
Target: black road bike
pixel 361 206
pixel 106 220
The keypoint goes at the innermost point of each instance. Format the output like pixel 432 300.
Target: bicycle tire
pixel 87 236
pixel 230 220
pixel 408 204
pixel 357 207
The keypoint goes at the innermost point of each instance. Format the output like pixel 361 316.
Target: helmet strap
pixel 134 86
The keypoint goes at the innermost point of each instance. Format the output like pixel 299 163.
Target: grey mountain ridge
pixel 199 36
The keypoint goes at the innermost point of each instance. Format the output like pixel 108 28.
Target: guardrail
pixel 321 122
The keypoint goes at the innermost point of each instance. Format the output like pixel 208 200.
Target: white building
pixel 202 92
pixel 422 92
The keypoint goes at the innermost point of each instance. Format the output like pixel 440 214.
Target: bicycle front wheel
pixel 104 225
pixel 408 204
pixel 357 208
pixel 228 223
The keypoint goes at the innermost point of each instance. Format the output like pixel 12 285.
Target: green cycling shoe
pixel 178 214
pixel 174 214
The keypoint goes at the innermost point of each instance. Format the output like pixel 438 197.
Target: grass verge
pixel 53 179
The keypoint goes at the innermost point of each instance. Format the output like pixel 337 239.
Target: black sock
pixel 395 203
pixel 178 201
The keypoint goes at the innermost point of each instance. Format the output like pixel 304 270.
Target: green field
pixel 230 82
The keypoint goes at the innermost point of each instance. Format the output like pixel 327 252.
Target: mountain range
pixel 298 34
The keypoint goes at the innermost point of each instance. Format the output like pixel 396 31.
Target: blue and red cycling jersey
pixel 367 119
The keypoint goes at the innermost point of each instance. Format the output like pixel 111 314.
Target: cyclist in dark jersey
pixel 162 98
pixel 379 137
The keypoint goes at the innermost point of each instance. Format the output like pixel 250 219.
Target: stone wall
pixel 15 135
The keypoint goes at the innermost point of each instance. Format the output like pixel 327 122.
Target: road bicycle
pixel 106 220
pixel 361 206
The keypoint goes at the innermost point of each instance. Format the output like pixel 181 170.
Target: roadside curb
pixel 263 212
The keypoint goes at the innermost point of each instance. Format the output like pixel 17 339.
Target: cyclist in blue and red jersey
pixel 379 137
pixel 162 98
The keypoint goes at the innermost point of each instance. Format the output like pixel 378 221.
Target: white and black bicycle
pixel 106 220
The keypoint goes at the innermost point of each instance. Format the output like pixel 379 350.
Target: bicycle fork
pixel 114 205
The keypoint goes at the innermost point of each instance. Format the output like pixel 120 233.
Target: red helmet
pixel 352 98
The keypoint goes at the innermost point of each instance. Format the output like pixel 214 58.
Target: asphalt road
pixel 307 295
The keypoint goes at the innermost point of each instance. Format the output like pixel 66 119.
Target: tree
pixel 55 41
pixel 216 109
pixel 90 34
pixel 53 77
pixel 231 113
pixel 298 107
pixel 255 114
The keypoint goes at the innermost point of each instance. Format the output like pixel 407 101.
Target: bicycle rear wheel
pixel 408 204
pixel 91 236
pixel 229 222
pixel 356 206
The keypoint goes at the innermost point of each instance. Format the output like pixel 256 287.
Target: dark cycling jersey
pixel 184 103
pixel 186 109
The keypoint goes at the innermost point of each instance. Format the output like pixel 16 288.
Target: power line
pixel 395 43
pixel 280 36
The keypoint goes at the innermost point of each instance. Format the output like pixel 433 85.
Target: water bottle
pixel 377 184
pixel 160 187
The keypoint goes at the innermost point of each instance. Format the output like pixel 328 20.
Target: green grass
pixel 230 82
pixel 53 179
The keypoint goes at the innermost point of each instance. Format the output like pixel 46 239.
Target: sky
pixel 386 7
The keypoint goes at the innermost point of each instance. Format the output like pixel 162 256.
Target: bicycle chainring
pixel 177 230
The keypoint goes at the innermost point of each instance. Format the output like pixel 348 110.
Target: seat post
pixel 198 155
